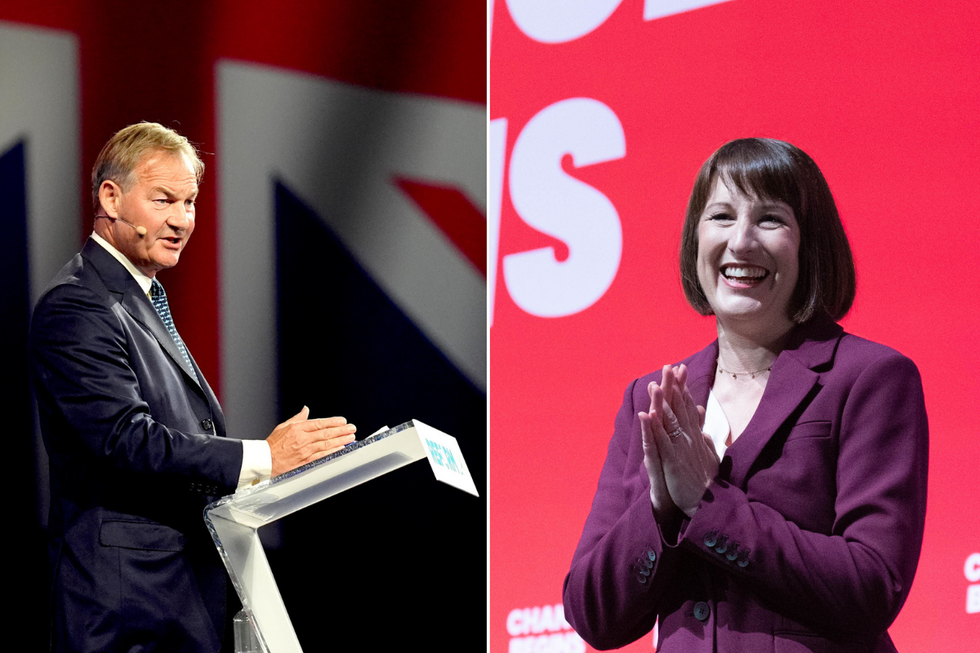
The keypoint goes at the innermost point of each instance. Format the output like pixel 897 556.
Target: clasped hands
pixel 679 458
pixel 300 440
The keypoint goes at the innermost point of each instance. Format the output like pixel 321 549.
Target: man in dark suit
pixel 135 435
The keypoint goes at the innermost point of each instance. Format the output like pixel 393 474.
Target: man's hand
pixel 299 440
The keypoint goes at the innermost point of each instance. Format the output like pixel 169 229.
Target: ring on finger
pixel 676 432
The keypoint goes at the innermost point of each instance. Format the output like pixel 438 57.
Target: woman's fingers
pixel 687 457
pixel 647 427
pixel 651 454
pixel 684 406
pixel 678 414
pixel 651 428
pixel 680 373
pixel 671 384
pixel 668 419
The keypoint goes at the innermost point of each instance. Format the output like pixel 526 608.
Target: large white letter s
pixel 561 206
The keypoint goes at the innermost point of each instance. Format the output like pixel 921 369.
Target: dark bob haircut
pixel 773 170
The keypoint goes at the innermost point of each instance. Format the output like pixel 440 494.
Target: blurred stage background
pixel 338 261
pixel 601 114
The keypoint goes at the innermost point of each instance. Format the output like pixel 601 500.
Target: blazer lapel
pixel 216 412
pixel 120 282
pixel 138 305
pixel 792 378
pixel 701 373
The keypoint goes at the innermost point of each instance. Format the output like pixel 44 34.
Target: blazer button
pixel 652 555
pixel 206 424
pixel 722 544
pixel 701 611
pixel 711 538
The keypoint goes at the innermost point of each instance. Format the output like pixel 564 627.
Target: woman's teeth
pixel 738 273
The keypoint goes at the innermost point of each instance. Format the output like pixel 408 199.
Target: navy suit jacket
pixel 808 538
pixel 135 454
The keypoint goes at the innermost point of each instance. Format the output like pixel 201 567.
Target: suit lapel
pixel 789 383
pixel 701 373
pixel 217 413
pixel 792 378
pixel 120 282
pixel 138 305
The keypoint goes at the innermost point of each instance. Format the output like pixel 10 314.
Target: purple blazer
pixel 807 540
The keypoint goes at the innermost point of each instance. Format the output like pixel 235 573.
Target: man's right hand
pixel 299 440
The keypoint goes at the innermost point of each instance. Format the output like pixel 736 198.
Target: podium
pixel 235 519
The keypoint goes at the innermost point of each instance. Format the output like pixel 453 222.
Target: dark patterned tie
pixel 159 298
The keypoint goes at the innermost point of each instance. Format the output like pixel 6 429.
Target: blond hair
pixel 118 159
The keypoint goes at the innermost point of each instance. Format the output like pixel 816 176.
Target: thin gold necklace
pixel 735 374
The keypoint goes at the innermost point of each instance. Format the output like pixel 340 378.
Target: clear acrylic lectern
pixel 235 519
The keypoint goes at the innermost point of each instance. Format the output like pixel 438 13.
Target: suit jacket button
pixel 743 558
pixel 206 424
pixel 652 555
pixel 711 538
pixel 701 611
pixel 722 544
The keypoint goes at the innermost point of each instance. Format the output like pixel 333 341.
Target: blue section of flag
pixel 15 289
pixel 28 548
pixel 15 292
pixel 346 349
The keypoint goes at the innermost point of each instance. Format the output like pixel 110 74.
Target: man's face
pixel 161 200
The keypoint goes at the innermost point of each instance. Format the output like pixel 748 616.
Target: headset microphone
pixel 139 230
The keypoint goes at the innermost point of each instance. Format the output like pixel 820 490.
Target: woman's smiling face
pixel 748 256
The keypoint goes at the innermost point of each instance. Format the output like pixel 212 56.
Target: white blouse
pixel 716 424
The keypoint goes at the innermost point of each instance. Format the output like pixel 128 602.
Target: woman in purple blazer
pixel 769 492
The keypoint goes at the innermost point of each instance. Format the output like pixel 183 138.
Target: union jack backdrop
pixel 338 262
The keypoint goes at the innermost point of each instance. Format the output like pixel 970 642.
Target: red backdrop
pixel 600 119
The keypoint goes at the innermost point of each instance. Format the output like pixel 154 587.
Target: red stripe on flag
pixel 459 219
